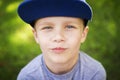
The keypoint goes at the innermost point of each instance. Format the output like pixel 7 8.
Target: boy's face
pixel 60 37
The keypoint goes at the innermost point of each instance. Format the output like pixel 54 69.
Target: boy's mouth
pixel 58 49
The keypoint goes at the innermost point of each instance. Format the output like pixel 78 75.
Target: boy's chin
pixel 60 60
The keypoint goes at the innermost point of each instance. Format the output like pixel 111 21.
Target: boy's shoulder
pixel 34 64
pixel 91 67
pixel 32 68
pixel 85 58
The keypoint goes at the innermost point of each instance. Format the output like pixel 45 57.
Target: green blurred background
pixel 18 47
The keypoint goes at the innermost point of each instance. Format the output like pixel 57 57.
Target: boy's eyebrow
pixel 71 22
pixel 44 23
pixel 64 23
pixel 47 22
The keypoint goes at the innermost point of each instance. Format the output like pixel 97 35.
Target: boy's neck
pixel 61 68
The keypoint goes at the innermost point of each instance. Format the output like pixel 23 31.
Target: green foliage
pixel 103 39
pixel 18 47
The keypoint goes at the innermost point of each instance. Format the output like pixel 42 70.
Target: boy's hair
pixel 85 22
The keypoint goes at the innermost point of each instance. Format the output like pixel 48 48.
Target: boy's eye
pixel 46 28
pixel 70 26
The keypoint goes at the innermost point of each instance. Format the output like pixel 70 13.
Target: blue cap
pixel 31 10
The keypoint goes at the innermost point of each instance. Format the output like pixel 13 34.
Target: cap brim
pixel 30 11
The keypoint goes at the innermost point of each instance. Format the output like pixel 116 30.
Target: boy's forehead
pixel 58 19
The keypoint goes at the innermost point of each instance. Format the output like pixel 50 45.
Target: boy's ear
pixel 84 34
pixel 35 34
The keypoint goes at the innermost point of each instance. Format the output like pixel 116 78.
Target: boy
pixel 59 27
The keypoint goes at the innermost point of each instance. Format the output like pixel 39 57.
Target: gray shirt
pixel 86 68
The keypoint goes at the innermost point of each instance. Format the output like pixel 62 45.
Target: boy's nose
pixel 58 36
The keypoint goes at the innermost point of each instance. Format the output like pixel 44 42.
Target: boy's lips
pixel 58 49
